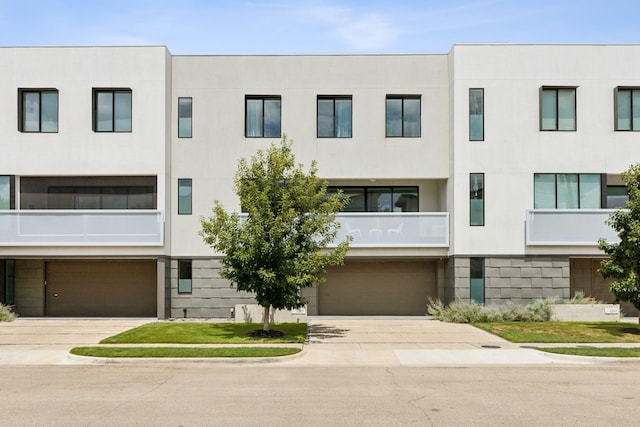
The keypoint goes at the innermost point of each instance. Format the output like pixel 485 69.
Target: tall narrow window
pixel 334 117
pixel 262 116
pixel 184 117
pixel 8 281
pixel 558 108
pixel 184 196
pixel 476 114
pixel 184 276
pixel 476 199
pixel 627 108
pixel 38 110
pixel 6 192
pixel 476 265
pixel 403 116
pixel 112 110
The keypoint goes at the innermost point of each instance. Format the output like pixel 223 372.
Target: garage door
pixel 378 288
pixel 101 288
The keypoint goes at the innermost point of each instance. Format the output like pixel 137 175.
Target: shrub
pixel 471 312
pixel 6 314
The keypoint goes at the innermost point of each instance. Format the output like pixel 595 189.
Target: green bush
pixel 6 314
pixel 471 312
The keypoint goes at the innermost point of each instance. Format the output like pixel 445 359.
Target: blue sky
pixel 315 26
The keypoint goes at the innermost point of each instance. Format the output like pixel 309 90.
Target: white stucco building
pixel 485 173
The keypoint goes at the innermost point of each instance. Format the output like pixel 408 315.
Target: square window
pixel 262 116
pixel 184 196
pixel 334 117
pixel 558 108
pixel 38 110
pixel 184 117
pixel 184 276
pixel 403 116
pixel 112 110
pixel 627 109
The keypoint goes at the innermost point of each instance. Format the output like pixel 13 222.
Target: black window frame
pixel 21 94
pixel 335 127
pixel 575 108
pixel 616 92
pixel 190 181
pixel 603 188
pixel 481 90
pixel 12 191
pixel 367 189
pixel 476 194
pixel 113 91
pixel 386 116
pixel 184 271
pixel 263 98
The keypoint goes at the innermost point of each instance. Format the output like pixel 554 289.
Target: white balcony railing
pixel 416 229
pixel 568 227
pixel 81 228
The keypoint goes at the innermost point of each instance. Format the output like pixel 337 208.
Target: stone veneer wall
pixel 211 295
pixel 517 279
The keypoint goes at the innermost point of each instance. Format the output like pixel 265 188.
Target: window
pixel 262 117
pixel 476 266
pixel 558 108
pixel 38 110
pixel 476 199
pixel 567 191
pixel 7 281
pixel 112 110
pixel 184 196
pixel 184 276
pixel 7 198
pixel 334 117
pixel 476 114
pixel 403 116
pixel 379 199
pixel 184 117
pixel 627 108
pixel 617 196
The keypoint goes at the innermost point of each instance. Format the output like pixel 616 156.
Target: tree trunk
pixel 265 318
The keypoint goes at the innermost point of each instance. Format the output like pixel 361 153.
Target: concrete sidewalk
pixel 332 341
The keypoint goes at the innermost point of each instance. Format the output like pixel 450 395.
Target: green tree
pixel 279 247
pixel 623 264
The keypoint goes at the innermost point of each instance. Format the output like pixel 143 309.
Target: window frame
pixel 403 98
pixel 189 118
pixel 262 98
pixel 477 279
pixel 603 189
pixel 190 182
pixel 21 103
pixel 371 189
pixel 616 119
pixel 472 190
pixel 481 91
pixel 334 98
pixel 557 107
pixel 188 281
pixel 113 92
pixel 12 190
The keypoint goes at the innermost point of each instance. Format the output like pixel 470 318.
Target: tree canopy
pixel 623 264
pixel 279 244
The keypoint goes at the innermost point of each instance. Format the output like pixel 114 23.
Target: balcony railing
pixel 419 229
pixel 81 228
pixel 568 227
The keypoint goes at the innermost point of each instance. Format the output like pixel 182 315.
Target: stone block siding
pixel 517 279
pixel 211 296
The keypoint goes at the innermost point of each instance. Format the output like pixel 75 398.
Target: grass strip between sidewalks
pixel 564 332
pixel 179 352
pixel 206 333
pixel 594 351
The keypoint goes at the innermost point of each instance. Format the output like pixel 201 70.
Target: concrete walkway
pixel 332 341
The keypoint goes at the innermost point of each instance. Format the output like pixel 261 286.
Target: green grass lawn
pixel 595 351
pixel 564 332
pixel 184 351
pixel 206 333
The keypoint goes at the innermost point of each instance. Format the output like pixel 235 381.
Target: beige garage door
pixel 378 288
pixel 116 288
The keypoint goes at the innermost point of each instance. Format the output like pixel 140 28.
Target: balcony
pixel 81 228
pixel 419 229
pixel 568 227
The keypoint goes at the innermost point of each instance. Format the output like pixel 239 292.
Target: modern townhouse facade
pixel 485 174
